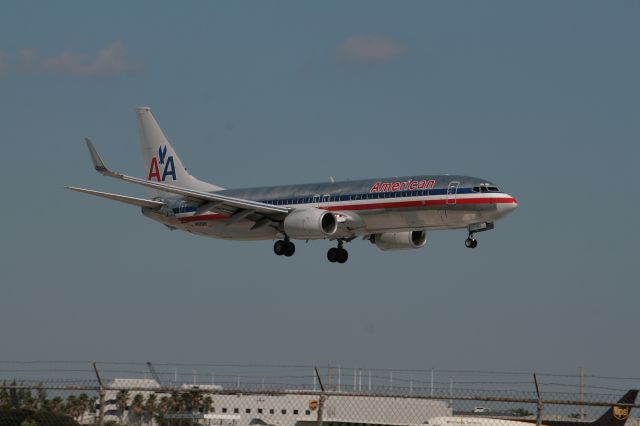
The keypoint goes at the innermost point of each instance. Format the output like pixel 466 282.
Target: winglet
pixel 98 164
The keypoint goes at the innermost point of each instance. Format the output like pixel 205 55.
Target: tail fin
pixel 161 161
pixel 617 415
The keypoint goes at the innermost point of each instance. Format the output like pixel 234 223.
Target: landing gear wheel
pixel 279 247
pixel 332 255
pixel 289 248
pixel 339 255
pixel 471 243
pixel 343 255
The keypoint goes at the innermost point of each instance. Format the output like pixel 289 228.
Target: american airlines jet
pixel 392 213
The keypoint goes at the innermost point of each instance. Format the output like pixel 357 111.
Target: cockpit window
pixel 485 187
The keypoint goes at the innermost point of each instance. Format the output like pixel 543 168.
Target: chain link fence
pixel 45 393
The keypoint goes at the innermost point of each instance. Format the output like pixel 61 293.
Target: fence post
pixel 101 395
pixel 539 404
pixel 321 400
pixel 321 408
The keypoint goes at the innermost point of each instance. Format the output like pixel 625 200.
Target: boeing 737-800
pixel 392 213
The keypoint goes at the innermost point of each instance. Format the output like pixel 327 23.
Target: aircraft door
pixel 452 192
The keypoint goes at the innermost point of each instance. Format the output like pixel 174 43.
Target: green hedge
pixel 29 417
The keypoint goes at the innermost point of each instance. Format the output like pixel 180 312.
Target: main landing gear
pixel 338 254
pixel 284 247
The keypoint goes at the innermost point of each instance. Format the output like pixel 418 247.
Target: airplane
pixel 617 415
pixel 392 213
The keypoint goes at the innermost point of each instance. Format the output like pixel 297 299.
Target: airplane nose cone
pixel 506 208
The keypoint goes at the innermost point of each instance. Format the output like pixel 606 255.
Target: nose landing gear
pixel 471 241
pixel 338 254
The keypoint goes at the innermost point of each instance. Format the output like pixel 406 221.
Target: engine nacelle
pixel 310 224
pixel 400 240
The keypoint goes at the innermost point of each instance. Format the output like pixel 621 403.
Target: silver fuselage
pixel 423 202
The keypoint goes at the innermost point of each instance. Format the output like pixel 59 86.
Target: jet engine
pixel 400 240
pixel 310 224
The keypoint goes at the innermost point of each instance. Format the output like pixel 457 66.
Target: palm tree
pixel 83 404
pixel 71 406
pixel 164 407
pixel 4 396
pixel 55 404
pixel 196 400
pixel 41 395
pixel 150 406
pixel 207 404
pixel 76 406
pixel 177 403
pixel 122 399
pixel 137 406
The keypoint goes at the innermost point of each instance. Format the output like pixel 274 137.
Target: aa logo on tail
pixel 162 160
pixel 620 413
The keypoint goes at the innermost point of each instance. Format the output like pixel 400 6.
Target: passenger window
pixel 271 411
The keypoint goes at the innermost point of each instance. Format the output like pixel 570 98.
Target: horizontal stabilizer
pixel 141 202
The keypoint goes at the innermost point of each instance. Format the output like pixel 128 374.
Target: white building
pixel 280 409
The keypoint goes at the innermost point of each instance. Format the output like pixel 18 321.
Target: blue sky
pixel 539 97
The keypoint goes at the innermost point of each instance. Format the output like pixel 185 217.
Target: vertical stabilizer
pixel 617 415
pixel 162 164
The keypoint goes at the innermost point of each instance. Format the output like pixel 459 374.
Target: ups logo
pixel 620 413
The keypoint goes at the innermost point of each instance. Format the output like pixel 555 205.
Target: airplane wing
pixel 141 202
pixel 211 200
